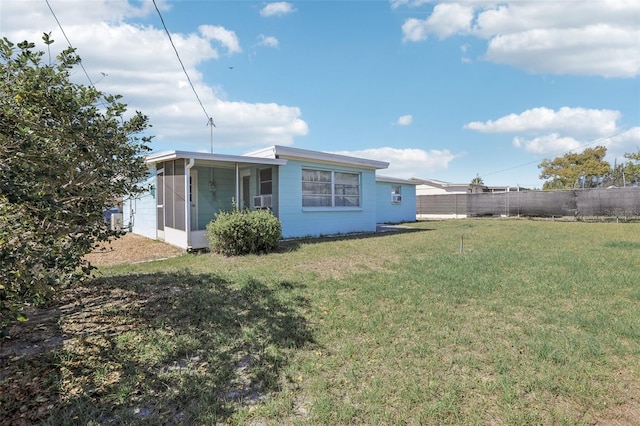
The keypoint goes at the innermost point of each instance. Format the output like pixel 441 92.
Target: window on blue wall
pixel 325 188
pixel 396 195
pixel 266 182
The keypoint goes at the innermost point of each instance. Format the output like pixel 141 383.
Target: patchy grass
pixel 532 323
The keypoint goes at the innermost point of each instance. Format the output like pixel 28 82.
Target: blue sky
pixel 440 89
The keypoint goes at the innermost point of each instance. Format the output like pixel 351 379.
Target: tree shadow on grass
pixel 169 348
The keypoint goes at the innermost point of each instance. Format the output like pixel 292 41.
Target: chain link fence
pixel 579 203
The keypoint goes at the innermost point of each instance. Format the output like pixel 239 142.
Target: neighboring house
pixel 312 193
pixel 498 189
pixel 436 187
pixel 443 200
pixel 436 199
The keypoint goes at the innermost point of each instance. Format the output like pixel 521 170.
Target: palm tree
pixel 477 181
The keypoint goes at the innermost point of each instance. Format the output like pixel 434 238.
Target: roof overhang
pixel 203 157
pixel 390 179
pixel 439 184
pixel 285 152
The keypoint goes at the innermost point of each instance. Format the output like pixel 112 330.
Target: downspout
pixel 187 181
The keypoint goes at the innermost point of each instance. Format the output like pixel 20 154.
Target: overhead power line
pixel 593 142
pixel 69 42
pixel 209 118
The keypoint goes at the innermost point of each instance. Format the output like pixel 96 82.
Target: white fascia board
pixel 321 157
pixel 439 183
pixel 173 155
pixel 391 179
pixel 263 153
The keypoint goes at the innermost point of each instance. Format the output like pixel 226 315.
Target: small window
pixel 266 182
pixel 396 195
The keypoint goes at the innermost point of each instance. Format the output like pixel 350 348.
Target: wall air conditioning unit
pixel 396 198
pixel 116 221
pixel 262 201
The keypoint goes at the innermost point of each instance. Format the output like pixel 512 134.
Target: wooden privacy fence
pixel 611 202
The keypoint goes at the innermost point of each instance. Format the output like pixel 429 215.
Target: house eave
pixel 286 152
pixel 439 184
pixel 391 179
pixel 202 156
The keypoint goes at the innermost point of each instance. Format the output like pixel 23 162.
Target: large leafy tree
pixel 575 169
pixel 67 152
pixel 632 168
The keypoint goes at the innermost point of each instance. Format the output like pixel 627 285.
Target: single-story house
pixel 438 187
pixel 312 193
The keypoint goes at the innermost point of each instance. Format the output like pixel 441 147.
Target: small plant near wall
pixel 239 232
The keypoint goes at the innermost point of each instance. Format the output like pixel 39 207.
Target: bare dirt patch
pixel 129 249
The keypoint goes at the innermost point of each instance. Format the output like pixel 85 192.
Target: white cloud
pixel 517 16
pixel 268 41
pixel 552 143
pixel 555 144
pixel 414 30
pixel 140 64
pixel 622 143
pixel 566 120
pixel 563 37
pixel 445 20
pixel 27 14
pixel 411 3
pixel 594 50
pixel 227 38
pixel 408 162
pixel 405 120
pixel 277 9
pixel 567 129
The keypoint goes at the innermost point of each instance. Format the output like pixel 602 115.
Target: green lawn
pixel 534 322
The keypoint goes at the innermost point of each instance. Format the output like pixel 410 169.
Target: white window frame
pixel 333 193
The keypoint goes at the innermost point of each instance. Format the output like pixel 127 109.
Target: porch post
pixel 187 204
pixel 237 184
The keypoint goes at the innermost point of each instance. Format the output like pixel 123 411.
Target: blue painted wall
pixel 139 213
pixel 387 212
pixel 300 222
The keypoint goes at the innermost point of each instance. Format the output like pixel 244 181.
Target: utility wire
pixel 599 140
pixel 69 42
pixel 209 118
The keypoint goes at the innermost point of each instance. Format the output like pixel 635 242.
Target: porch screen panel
pixel 246 191
pixel 316 188
pixel 179 186
pixel 169 195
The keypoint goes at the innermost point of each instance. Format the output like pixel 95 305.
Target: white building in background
pixel 437 187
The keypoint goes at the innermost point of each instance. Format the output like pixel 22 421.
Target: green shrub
pixel 241 232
